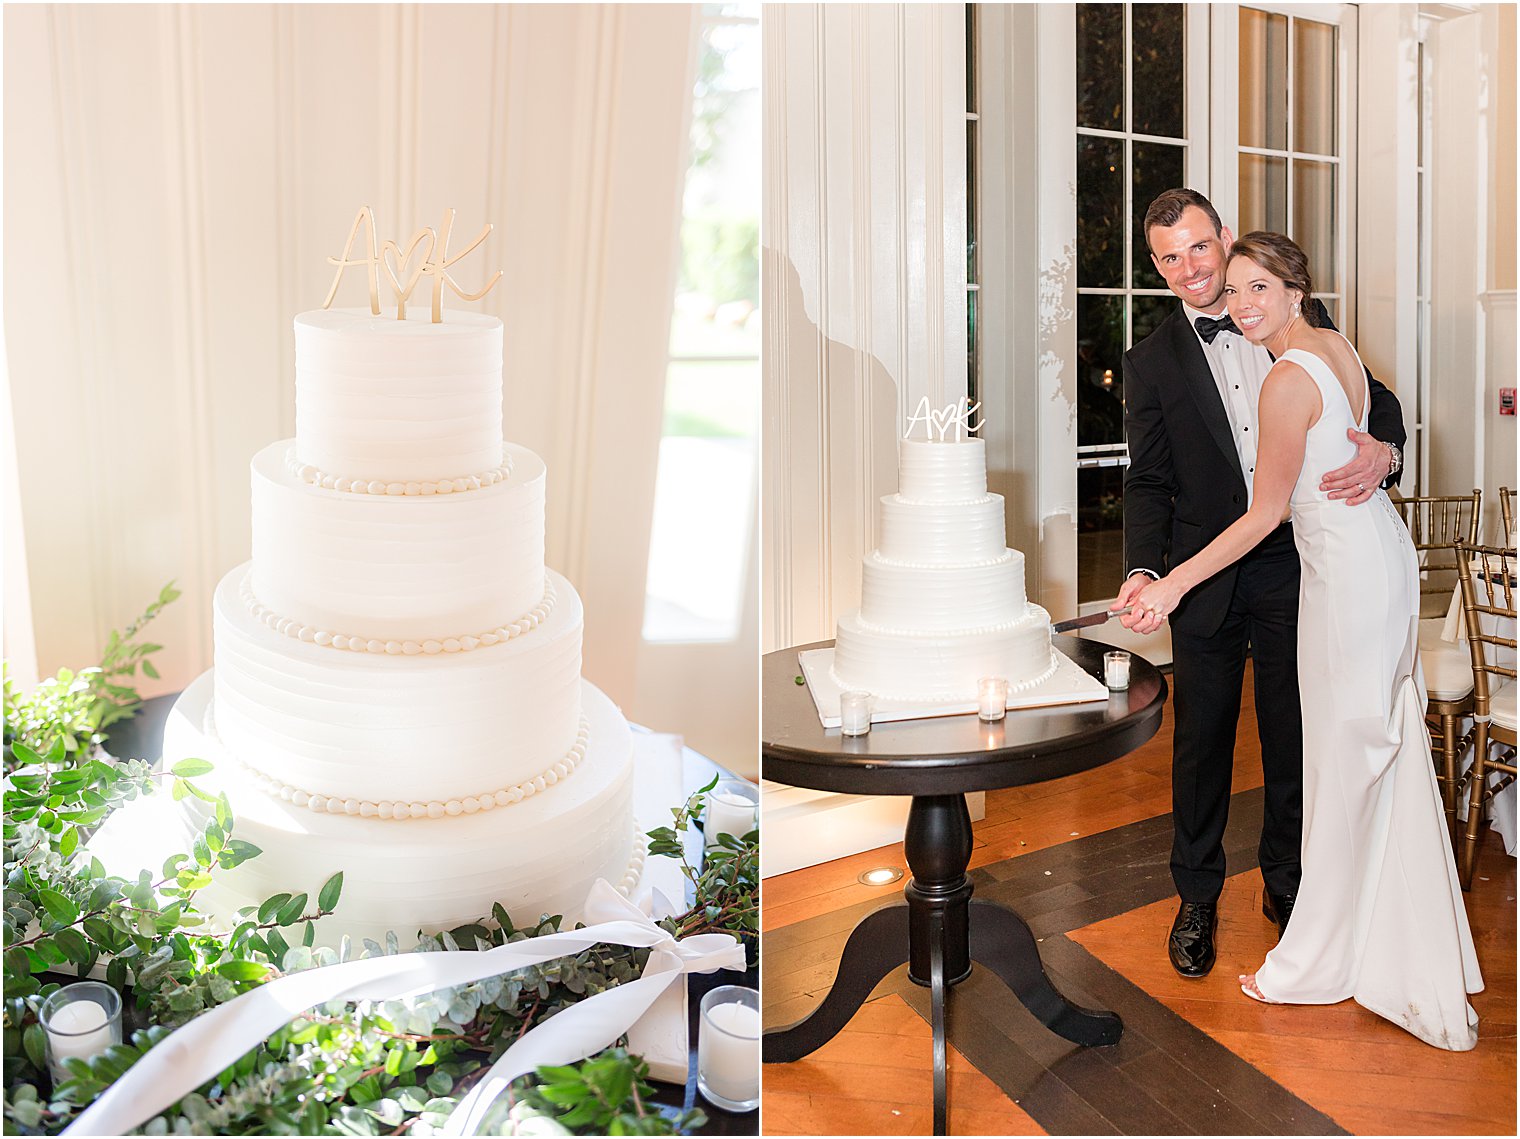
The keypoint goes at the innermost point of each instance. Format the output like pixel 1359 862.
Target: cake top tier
pixel 398 400
pixel 934 471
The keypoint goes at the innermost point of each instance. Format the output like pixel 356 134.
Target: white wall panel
pixel 176 177
pixel 864 278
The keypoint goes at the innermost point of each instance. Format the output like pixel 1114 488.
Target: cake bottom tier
pixel 941 666
pixel 537 856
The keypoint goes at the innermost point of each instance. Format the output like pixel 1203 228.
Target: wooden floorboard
pixel 1084 861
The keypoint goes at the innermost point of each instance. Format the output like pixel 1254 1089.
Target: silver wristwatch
pixel 1396 459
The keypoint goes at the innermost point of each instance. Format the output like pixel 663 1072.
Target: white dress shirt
pixel 1239 369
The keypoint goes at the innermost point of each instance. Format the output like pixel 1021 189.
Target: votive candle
pixel 1116 670
pixel 731 809
pixel 81 1020
pixel 728 1048
pixel 992 698
pixel 854 713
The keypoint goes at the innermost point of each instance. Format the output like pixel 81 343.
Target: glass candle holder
pixel 732 808
pixel 991 698
pixel 728 1048
pixel 854 713
pixel 81 1020
pixel 1116 670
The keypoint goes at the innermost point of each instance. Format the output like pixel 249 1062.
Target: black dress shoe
pixel 1191 943
pixel 1278 908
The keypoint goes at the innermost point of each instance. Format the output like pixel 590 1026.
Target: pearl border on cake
pixel 430 647
pixel 636 861
pixel 312 476
pixel 433 808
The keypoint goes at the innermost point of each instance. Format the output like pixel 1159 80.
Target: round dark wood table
pixel 939 931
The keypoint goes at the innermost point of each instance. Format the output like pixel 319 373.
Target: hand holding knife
pixel 1090 620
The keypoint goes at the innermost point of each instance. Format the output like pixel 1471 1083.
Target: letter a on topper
pixel 366 218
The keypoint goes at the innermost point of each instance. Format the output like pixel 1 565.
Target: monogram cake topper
pixel 435 263
pixel 938 421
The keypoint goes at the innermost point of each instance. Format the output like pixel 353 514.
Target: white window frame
pixel 1195 171
pixel 1225 108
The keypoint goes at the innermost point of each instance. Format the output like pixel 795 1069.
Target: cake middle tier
pixel 939 598
pixel 398 727
pixel 397 567
pixel 942 533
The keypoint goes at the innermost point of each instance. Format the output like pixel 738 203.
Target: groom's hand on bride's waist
pixel 1359 479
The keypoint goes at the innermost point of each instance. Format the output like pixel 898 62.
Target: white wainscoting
pixel 864 279
pixel 1498 431
pixel 176 177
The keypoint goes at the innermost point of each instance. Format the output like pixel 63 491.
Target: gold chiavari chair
pixel 1507 513
pixel 1487 578
pixel 1436 523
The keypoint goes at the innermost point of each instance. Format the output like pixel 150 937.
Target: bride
pixel 1380 915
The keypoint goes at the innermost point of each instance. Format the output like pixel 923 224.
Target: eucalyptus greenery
pixel 374 1068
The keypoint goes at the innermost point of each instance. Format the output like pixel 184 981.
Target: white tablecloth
pixel 1455 631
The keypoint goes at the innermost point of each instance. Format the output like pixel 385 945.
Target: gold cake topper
pixel 435 263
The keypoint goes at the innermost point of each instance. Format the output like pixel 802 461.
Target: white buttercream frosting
pixel 405 728
pixel 430 873
pixel 390 400
pixel 398 569
pixel 942 598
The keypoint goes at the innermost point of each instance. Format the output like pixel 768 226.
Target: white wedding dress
pixel 1380 915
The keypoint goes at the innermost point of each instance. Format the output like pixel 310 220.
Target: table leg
pixel 1003 943
pixel 877 945
pixel 937 996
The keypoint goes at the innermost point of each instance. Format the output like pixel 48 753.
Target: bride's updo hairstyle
pixel 1280 256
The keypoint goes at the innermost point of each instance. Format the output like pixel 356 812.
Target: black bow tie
pixel 1208 327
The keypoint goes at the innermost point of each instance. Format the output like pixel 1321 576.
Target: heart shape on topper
pixel 404 260
pixel 940 419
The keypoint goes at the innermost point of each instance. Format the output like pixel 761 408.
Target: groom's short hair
pixel 1167 209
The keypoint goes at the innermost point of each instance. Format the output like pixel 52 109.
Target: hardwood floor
pixel 1084 861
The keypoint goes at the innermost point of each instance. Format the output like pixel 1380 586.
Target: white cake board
pixel 1068 684
pixel 141 835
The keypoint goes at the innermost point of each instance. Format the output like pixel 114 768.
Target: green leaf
pixel 18 962
pixel 149 670
pixel 440 1083
pixel 278 946
pixel 243 970
pixel 237 852
pixel 332 889
pixel 74 945
pixel 59 908
pixel 25 755
pixel 271 907
pixel 69 843
pixel 180 790
pixel 34 1042
pixel 291 911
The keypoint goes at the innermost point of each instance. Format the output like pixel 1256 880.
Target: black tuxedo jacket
pixel 1184 485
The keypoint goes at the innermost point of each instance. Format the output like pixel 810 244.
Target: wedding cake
pixel 942 598
pixel 396 690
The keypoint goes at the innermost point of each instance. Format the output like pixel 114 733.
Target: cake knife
pixel 1091 619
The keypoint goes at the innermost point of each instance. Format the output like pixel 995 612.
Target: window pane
pixel 1100 379
pixel 1263 193
pixel 698 546
pixel 1100 213
pixel 1158 167
pixel 1100 66
pixel 1263 79
pixel 1314 220
pixel 1146 313
pixel 1100 532
pixel 1156 76
pixel 1314 87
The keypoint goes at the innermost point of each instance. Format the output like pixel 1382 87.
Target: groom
pixel 1190 391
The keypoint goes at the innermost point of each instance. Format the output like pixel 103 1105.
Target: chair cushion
pixel 1448 669
pixel 1501 706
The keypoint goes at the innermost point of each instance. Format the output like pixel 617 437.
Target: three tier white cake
pixel 397 690
pixel 942 598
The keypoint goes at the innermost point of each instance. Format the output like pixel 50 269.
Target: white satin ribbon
pixel 194 1054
